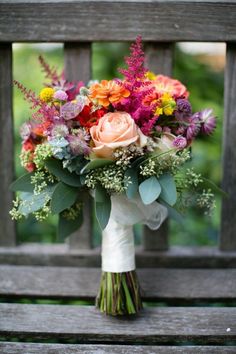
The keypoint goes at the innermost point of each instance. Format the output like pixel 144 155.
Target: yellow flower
pixel 150 75
pixel 46 94
pixel 166 105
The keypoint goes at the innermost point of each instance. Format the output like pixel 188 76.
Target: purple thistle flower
pixel 184 106
pixel 193 126
pixel 180 142
pixel 208 121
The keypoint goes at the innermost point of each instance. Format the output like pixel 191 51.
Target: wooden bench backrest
pixel 79 23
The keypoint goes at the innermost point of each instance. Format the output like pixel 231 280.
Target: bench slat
pixel 228 228
pixel 60 255
pixel 7 226
pixel 78 67
pixel 114 20
pixel 170 285
pixel 86 324
pixel 36 348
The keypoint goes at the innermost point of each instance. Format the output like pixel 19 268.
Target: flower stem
pixel 119 294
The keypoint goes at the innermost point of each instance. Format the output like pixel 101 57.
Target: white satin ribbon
pixel 118 253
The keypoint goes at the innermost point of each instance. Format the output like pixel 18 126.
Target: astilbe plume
pixel 136 70
pixel 50 72
pixel 29 95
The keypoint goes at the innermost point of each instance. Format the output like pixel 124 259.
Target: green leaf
pixel 55 167
pixel 63 197
pixel 168 189
pixel 34 202
pixel 102 206
pixel 23 183
pixel 67 227
pixel 173 213
pixel 149 190
pixel 96 164
pixel 131 182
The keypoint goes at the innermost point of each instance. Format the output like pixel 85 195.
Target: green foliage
pixel 149 190
pixel 168 189
pixel 102 206
pixel 23 183
pixel 66 226
pixel 96 164
pixel 63 197
pixel 55 167
pixel 131 182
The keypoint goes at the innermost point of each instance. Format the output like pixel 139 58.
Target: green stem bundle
pixel 119 294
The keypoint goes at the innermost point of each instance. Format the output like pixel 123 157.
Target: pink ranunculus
pixel 174 87
pixel 115 130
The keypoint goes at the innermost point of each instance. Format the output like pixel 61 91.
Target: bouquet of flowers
pixel 123 141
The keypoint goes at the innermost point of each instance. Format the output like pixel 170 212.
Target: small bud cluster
pixel 110 177
pixel 124 155
pixel 42 152
pixel 206 201
pixel 73 212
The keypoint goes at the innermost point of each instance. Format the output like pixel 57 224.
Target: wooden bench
pixel 174 280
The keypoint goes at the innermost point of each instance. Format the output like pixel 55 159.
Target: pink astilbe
pixel 29 95
pixel 50 72
pixel 136 70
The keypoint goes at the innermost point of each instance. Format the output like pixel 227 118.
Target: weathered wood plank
pixel 169 285
pixel 159 59
pixel 87 324
pixel 7 226
pixel 78 67
pixel 37 348
pixel 228 227
pixel 114 20
pixel 60 255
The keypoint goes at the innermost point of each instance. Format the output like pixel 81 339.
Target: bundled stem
pixel 119 294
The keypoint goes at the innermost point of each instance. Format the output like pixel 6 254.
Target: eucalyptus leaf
pixel 32 202
pixel 55 167
pixel 96 164
pixel 63 197
pixel 168 189
pixel 67 227
pixel 102 206
pixel 23 183
pixel 131 182
pixel 149 190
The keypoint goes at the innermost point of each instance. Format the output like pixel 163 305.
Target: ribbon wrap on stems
pixel 118 254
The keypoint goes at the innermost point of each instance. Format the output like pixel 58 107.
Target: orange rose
pixel 115 130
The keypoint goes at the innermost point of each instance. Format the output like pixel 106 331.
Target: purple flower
pixel 208 121
pixel 60 95
pixel 193 126
pixel 184 106
pixel 59 129
pixel 180 142
pixel 70 110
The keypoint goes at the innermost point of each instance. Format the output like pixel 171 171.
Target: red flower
pixel 28 145
pixel 87 118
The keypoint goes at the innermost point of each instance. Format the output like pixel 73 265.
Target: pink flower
pixel 174 87
pixel 180 142
pixel 208 121
pixel 165 142
pixel 115 130
pixel 60 95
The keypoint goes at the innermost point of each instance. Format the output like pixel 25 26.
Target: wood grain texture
pixel 78 67
pixel 228 217
pixel 7 226
pixel 169 285
pixel 37 348
pixel 60 255
pixel 159 59
pixel 83 20
pixel 86 324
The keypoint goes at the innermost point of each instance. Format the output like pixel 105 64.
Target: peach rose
pixel 115 130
